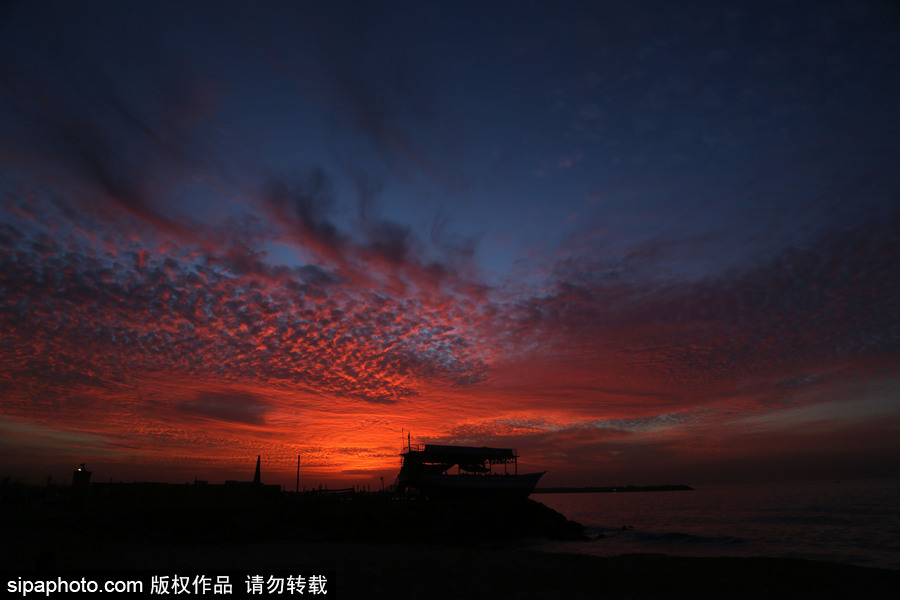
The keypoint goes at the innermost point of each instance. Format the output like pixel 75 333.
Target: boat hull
pixel 477 486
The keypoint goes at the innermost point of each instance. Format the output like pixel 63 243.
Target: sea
pixel 854 521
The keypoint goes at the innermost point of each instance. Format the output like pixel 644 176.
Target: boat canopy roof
pixel 436 453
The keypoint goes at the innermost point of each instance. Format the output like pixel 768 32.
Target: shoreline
pixel 424 570
pixel 379 549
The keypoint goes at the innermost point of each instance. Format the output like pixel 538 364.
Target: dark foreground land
pixel 382 548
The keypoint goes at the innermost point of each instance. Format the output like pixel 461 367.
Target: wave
pixel 825 520
pixel 666 537
pixel 675 536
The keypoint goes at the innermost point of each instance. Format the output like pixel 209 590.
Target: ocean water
pixel 856 522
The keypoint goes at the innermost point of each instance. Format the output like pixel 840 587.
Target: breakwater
pixel 618 488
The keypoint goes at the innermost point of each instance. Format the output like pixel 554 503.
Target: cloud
pixel 120 129
pixel 237 407
pixel 372 253
pixel 833 300
pixel 302 207
pixel 114 313
pixel 156 297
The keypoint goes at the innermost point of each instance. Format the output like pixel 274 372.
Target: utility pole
pixel 298 472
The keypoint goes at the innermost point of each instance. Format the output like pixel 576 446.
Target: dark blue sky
pixel 633 231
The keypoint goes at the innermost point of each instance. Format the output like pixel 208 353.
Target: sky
pixel 639 242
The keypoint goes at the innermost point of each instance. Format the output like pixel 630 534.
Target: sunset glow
pixel 639 245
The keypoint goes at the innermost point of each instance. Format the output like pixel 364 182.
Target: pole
pixel 298 472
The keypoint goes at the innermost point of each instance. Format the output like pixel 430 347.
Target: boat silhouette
pixel 428 470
